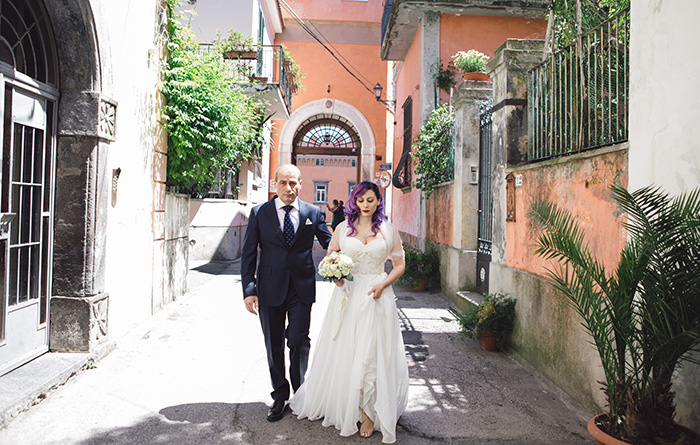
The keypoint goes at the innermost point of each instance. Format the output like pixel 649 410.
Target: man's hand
pixel 251 303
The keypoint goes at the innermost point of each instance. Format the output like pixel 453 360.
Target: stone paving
pixel 196 373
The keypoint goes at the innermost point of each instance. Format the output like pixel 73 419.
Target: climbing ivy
pixel 434 150
pixel 211 124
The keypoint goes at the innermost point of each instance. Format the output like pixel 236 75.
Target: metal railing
pixel 578 98
pixel 265 64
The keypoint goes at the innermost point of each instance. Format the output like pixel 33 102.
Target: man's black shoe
pixel 276 411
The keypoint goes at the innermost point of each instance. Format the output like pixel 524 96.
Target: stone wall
pixel 177 218
pixel 217 227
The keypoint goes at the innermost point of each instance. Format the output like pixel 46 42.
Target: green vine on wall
pixel 211 124
pixel 434 156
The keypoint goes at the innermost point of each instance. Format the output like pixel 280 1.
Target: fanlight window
pixel 25 40
pixel 327 133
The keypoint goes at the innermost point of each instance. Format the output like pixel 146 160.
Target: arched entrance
pixel 345 116
pixel 28 104
pixel 57 127
pixel 326 148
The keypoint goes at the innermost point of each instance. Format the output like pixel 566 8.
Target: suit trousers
pixel 290 320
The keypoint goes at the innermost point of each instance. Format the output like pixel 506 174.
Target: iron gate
pixel 485 238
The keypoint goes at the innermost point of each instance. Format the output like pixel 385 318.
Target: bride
pixel 359 371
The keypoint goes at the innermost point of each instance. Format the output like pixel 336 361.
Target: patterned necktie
pixel 288 228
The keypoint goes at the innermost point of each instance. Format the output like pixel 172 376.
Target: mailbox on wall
pixel 5 220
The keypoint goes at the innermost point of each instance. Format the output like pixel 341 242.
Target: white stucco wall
pixel 131 29
pixel 665 127
pixel 664 95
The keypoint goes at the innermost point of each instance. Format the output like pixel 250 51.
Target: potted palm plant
pixel 489 322
pixel 472 64
pixel 644 317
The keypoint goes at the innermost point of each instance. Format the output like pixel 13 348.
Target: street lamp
pixel 378 95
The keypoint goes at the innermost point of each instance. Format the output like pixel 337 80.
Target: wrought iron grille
pixel 402 173
pixel 578 98
pixel 485 236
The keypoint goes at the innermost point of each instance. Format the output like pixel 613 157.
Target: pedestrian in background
pixel 337 212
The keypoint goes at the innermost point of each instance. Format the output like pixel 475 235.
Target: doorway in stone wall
pixel 485 238
pixel 28 80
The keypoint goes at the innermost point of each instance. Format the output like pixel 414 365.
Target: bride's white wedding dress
pixel 359 362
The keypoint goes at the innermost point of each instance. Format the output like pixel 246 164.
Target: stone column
pixel 79 303
pixel 430 61
pixel 509 71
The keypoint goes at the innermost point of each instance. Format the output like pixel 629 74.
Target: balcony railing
pixel 264 65
pixel 578 98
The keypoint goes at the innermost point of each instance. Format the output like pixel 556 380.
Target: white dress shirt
pixel 294 213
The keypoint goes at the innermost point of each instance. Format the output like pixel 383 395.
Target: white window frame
pixel 321 187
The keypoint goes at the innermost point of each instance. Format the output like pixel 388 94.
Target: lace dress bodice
pixel 368 259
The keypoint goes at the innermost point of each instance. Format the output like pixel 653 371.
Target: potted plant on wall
pixel 643 318
pixel 489 322
pixel 422 268
pixel 445 78
pixel 237 46
pixel 472 64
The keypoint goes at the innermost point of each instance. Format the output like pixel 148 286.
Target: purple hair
pixel 352 212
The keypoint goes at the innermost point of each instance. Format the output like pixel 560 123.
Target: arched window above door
pixel 26 40
pixel 327 134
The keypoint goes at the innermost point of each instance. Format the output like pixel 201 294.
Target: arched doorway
pixel 54 141
pixel 326 148
pixel 29 85
pixel 337 108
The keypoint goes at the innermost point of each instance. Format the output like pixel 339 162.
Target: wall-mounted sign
pixel 386 166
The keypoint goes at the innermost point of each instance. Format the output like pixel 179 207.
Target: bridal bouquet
pixel 336 266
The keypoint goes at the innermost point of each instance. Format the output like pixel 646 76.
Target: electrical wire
pixel 328 42
pixel 315 37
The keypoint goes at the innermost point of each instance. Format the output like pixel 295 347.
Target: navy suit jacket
pixel 278 263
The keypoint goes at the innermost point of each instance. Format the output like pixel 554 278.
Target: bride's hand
pixel 376 291
pixel 338 283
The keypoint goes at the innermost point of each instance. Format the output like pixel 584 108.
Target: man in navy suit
pixel 284 287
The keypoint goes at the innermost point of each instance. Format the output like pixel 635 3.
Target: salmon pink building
pixel 336 132
pixel 417 40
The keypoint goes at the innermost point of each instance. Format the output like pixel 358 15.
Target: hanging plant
pixel 292 69
pixel 434 150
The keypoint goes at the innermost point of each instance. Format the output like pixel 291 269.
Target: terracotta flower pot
pixel 487 341
pixel 244 55
pixel 420 283
pixel 475 76
pixel 602 438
